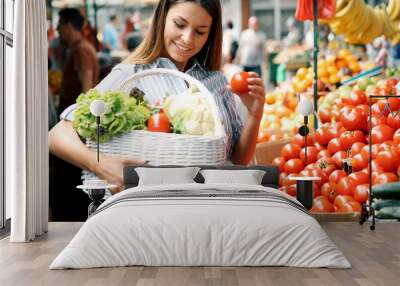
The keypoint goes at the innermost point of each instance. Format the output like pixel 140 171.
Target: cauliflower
pixel 189 113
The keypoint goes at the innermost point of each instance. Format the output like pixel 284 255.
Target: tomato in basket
pixel 239 83
pixel 158 122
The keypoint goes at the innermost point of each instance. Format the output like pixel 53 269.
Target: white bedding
pixel 189 230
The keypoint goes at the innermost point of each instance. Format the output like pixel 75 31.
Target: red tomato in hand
pixel 158 122
pixel 239 83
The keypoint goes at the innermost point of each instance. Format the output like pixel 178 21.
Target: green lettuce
pixel 124 114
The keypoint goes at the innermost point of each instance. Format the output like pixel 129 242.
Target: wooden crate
pixel 337 216
pixel 268 151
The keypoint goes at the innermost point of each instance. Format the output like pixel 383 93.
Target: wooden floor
pixel 375 257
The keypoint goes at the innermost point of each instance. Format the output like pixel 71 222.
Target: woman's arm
pixel 254 102
pixel 65 143
pixel 246 144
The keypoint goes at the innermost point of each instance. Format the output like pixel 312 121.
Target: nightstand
pixel 96 194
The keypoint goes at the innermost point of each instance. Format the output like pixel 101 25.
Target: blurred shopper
pixel 229 43
pixel 89 33
pixel 252 47
pixel 79 74
pixel 131 38
pixel 111 34
pixel 52 111
pixel 129 28
pixel 293 36
pixel 185 35
pixel 379 49
pixel 81 68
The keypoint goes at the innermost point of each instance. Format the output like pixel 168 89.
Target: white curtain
pixel 26 124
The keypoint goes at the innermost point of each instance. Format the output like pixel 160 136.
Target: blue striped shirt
pixel 214 81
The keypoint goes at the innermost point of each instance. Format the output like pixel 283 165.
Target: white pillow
pixel 248 177
pixel 166 176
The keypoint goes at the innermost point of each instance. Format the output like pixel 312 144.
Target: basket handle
pixel 158 71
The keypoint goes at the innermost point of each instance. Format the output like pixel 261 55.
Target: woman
pixel 185 35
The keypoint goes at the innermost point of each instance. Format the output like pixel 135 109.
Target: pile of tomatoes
pixel 344 138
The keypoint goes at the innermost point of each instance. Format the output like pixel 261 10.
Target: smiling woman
pixel 185 35
pixel 182 29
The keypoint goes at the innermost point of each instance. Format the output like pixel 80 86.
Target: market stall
pixel 342 82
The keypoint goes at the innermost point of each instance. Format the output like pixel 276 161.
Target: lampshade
pixel 306 107
pixel 98 107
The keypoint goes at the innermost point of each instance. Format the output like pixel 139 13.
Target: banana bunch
pixel 393 13
pixel 361 24
pixel 393 10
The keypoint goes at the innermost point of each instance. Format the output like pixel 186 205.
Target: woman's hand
pixel 111 168
pixel 255 98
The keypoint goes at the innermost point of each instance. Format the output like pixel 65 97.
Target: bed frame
pixel 131 179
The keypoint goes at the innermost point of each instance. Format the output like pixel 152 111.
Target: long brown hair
pixel 152 45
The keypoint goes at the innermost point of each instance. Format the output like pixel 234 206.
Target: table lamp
pixel 304 185
pixel 305 109
pixel 98 108
pixel 96 188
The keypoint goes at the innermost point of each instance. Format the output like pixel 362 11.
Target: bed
pixel 201 224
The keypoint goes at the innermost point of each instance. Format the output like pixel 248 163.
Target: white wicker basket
pixel 167 148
